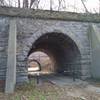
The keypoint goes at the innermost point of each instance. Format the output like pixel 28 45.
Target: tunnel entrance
pixel 40 62
pixel 63 52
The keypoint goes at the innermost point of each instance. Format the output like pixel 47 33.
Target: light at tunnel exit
pixel 44 61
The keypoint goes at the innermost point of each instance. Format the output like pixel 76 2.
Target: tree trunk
pixel 25 3
pixel 18 3
pixel 51 5
pixel 99 6
pixel 31 3
pixel 85 6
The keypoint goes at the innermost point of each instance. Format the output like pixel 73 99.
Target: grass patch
pixel 31 91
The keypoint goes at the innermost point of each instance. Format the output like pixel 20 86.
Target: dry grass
pixel 48 91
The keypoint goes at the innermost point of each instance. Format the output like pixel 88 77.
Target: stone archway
pixel 63 49
pixel 73 54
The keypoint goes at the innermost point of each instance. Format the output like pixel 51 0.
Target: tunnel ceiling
pixel 61 48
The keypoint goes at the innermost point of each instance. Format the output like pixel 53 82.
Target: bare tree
pixel 84 6
pixel 61 4
pixel 38 4
pixel 31 3
pixel 99 6
pixel 51 3
pixel 18 3
pixel 2 2
pixel 25 3
pixel 34 4
pixel 64 4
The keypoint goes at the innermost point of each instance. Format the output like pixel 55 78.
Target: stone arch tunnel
pixel 68 50
pixel 60 40
pixel 69 40
pixel 62 50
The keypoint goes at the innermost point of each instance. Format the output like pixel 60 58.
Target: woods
pixel 58 5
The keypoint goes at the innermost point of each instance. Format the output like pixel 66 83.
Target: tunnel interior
pixel 63 52
pixel 40 61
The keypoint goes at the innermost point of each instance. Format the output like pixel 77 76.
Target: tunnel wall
pixel 30 29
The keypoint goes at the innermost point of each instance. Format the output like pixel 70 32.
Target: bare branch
pixel 85 6
pixel 31 3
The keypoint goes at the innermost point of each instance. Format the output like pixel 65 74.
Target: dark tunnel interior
pixel 62 50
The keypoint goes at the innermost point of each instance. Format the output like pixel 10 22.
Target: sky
pixel 69 5
pixel 73 5
pixel 91 4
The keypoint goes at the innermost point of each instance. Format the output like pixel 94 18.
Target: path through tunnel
pixel 63 52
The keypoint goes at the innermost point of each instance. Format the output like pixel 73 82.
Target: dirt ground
pixel 49 91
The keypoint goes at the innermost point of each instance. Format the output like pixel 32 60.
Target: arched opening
pixel 63 51
pixel 39 61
